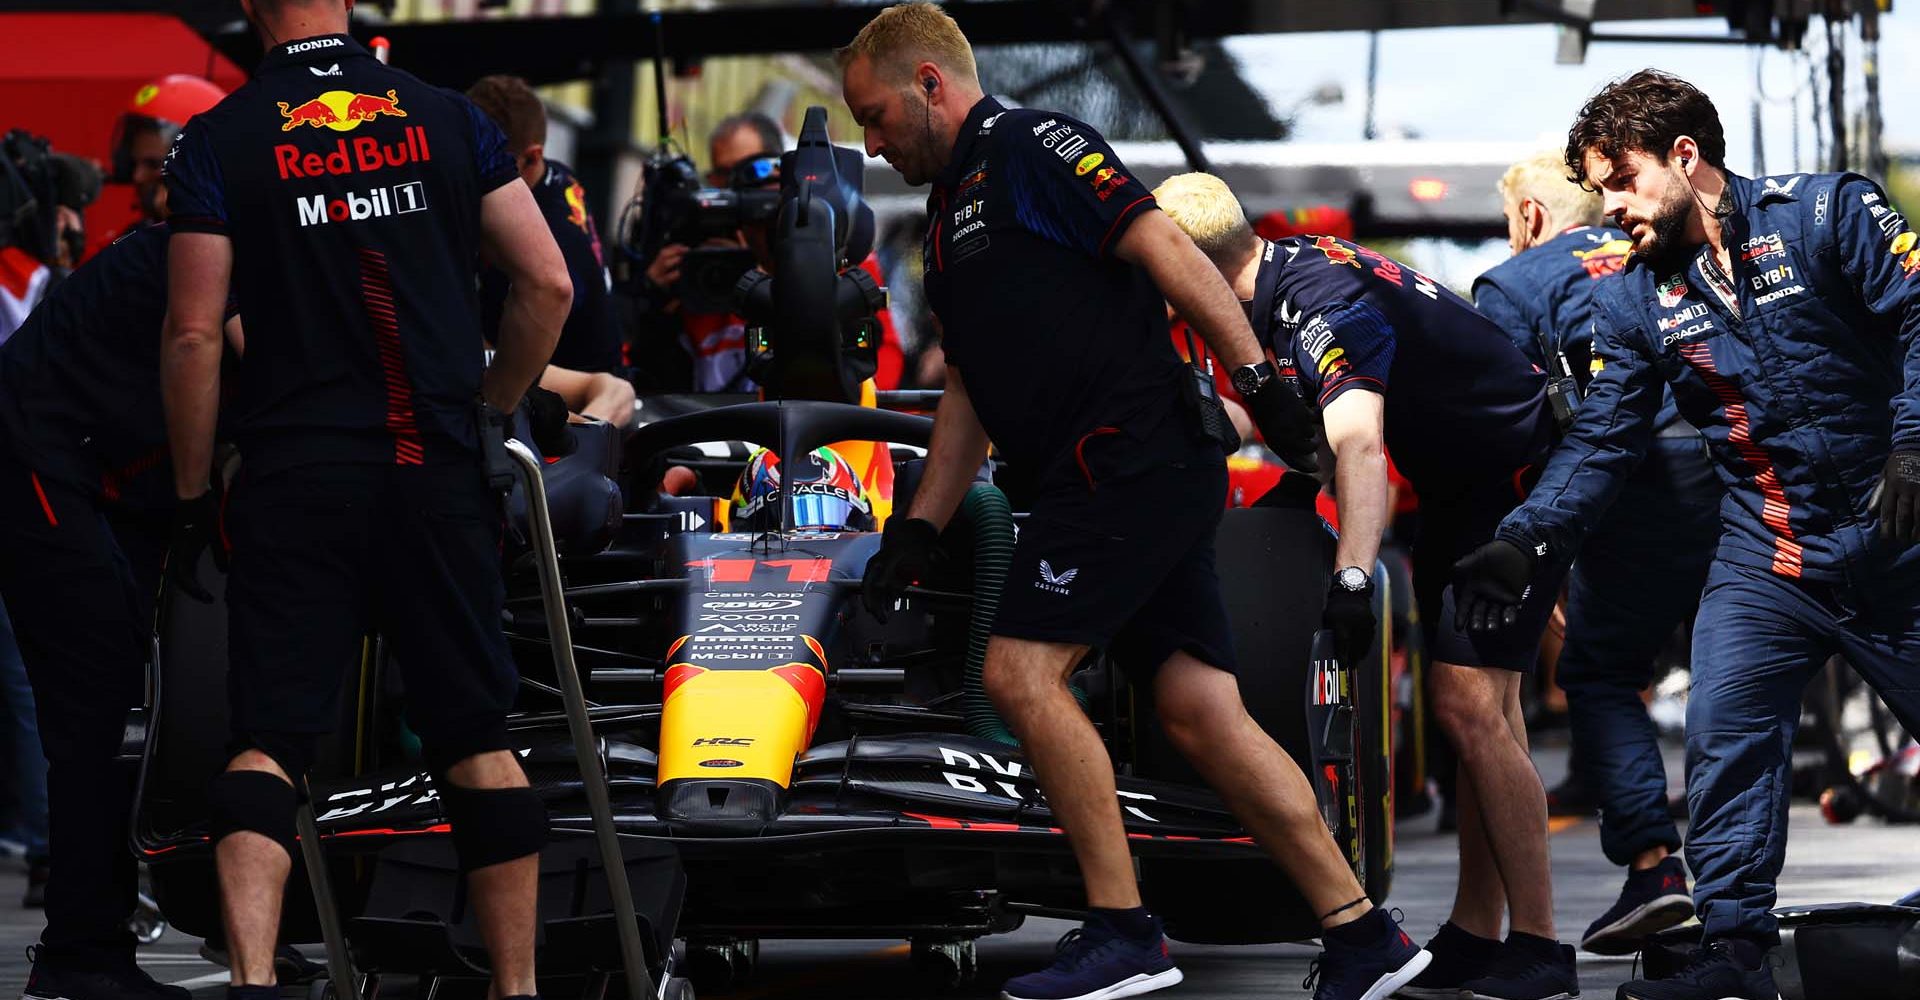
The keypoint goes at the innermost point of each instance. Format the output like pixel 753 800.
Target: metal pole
pixel 339 961
pixel 1874 156
pixel 1837 81
pixel 1149 85
pixel 579 728
pixel 1373 81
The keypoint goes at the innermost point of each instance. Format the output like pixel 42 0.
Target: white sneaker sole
pixel 1623 936
pixel 1385 986
pixel 1130 987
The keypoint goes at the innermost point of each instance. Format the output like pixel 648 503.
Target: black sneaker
pixel 1723 970
pixel 1366 972
pixel 113 981
pixel 36 897
pixel 1094 963
pixel 1457 957
pixel 1652 901
pixel 1526 971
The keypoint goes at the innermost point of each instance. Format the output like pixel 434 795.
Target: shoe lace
pixel 1313 976
pixel 1074 948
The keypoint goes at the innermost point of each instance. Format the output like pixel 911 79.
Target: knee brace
pixel 254 801
pixel 491 825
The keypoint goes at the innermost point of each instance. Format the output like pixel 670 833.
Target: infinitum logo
pixel 378 203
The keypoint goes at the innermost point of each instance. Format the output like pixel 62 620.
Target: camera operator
pixel 589 342
pixel 42 194
pixel 694 285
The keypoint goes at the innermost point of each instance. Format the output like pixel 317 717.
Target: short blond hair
pixel 904 36
pixel 1543 177
pixel 1205 209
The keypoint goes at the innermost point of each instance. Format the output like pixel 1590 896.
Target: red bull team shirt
pixel 351 192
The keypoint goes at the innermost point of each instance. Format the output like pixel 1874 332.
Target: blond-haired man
pixel 1047 266
pixel 1396 361
pixel 1618 614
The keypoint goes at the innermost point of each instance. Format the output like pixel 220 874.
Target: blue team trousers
pixel 1638 576
pixel 1758 640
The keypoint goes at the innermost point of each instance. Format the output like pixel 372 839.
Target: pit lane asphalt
pixel 1867 861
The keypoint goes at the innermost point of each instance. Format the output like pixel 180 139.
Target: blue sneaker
pixel 1652 901
pixel 1094 963
pixel 1372 971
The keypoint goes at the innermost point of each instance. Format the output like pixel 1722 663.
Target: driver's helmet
pixel 826 493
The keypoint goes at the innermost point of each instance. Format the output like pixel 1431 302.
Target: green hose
pixel 985 508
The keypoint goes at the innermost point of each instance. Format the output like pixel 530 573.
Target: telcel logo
pixel 378 203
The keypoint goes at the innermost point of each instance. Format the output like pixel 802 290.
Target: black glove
pixel 1349 615
pixel 1898 497
pixel 547 416
pixel 909 548
pixel 1488 585
pixel 1286 423
pixel 196 527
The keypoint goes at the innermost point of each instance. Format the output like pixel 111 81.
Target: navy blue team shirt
pixel 590 341
pixel 351 192
pixel 1053 335
pixel 80 382
pixel 1463 406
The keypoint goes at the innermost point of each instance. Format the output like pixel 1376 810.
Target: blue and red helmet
pixel 825 493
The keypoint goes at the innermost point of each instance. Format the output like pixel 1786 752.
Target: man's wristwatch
pixel 1248 379
pixel 1352 579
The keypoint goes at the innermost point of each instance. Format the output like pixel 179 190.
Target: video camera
pixel 812 327
pixel 34 182
pixel 676 209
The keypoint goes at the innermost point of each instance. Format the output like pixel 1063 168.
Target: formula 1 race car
pixel 808 770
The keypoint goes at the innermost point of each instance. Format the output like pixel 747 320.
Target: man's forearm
pixel 190 390
pixel 1360 482
pixel 611 400
pixel 529 327
pixel 954 454
pixel 1193 286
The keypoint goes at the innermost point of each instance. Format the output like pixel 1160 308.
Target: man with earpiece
pixel 1785 314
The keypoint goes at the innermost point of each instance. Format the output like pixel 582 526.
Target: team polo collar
pixel 317 48
pixel 983 109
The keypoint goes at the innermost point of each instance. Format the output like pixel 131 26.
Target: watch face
pixel 1246 380
pixel 1352 578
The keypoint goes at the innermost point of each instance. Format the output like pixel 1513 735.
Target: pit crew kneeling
pixel 1396 360
pixel 1047 266
pixel 363 497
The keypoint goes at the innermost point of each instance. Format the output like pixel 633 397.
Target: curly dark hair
pixel 1644 113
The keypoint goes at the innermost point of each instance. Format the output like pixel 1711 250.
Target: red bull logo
pixel 363 154
pixel 1607 258
pixel 340 110
pixel 1336 251
pixel 577 205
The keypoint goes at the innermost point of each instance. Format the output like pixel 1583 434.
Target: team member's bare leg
pixel 253 872
pixel 1470 704
pixel 1204 718
pixel 1028 684
pixel 505 896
